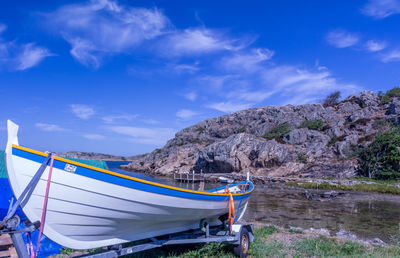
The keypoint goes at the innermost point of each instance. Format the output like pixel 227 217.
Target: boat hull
pixel 90 208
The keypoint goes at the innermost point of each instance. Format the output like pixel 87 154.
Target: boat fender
pixel 203 225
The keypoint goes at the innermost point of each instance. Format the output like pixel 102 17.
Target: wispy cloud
pixel 82 111
pixel 392 56
pixel 375 46
pixel 187 68
pixel 49 127
pixel 30 56
pixel 150 121
pixel 94 136
pixel 228 107
pixel 243 88
pixel 248 60
pixel 152 136
pixel 195 41
pixel 380 9
pixel 104 27
pixel 3 27
pixel 16 56
pixel 341 38
pixel 186 114
pixel 115 118
pixel 192 96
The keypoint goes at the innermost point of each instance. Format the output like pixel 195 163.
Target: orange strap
pixel 231 212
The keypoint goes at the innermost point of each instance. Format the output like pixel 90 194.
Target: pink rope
pixel 45 204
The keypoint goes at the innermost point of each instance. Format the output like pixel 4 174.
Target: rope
pixel 29 245
pixel 45 204
pixel 231 212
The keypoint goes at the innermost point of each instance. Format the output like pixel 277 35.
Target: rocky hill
pixel 92 156
pixel 306 140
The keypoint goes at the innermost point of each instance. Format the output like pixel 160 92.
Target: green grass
pixel 375 188
pixel 277 132
pixel 315 124
pixel 265 245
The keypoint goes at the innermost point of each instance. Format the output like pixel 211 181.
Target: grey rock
pixel 235 143
pixel 345 234
pixel 394 107
pixel 377 242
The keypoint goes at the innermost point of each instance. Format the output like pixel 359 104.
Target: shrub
pixel 123 158
pixel 200 129
pixel 242 130
pixel 395 92
pixel 141 163
pixel 315 124
pixel 333 140
pixel 277 132
pixel 381 158
pixel 332 99
pixel 302 158
pixel 158 151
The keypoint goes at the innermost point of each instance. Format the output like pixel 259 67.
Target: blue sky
pixel 123 77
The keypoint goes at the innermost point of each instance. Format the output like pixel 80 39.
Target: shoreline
pixel 341 184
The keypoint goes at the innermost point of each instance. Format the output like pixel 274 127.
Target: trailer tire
pixel 242 249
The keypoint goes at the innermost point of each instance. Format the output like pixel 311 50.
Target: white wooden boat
pixel 90 207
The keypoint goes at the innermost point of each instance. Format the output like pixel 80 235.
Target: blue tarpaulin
pixel 47 247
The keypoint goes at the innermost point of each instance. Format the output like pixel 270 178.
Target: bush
pixel 158 151
pixel 277 132
pixel 316 124
pixel 385 98
pixel 200 129
pixel 381 158
pixel 141 163
pixel 332 99
pixel 302 158
pixel 242 130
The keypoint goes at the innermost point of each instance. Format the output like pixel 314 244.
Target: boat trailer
pixel 240 237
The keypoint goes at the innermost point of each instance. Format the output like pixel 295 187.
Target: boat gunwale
pixel 134 178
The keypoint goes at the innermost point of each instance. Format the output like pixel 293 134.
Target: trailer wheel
pixel 242 249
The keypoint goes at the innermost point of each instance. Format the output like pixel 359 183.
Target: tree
pixel 381 159
pixel 331 99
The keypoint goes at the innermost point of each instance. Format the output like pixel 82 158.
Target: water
pixel 367 215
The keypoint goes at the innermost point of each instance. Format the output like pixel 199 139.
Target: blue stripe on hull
pixel 97 175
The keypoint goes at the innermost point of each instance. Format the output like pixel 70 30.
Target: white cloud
pixel 49 127
pixel 186 114
pixel 342 38
pixel 150 121
pixel 192 96
pixel 3 27
pixel 114 118
pixel 94 136
pixel 103 27
pixel 243 88
pixel 248 60
pixel 187 68
pixel 380 9
pixel 30 56
pixel 82 111
pixel 153 136
pixel 374 46
pixel 228 107
pixel 200 40
pixel 17 56
pixel 393 56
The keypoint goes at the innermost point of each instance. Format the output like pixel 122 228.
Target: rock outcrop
pixel 242 141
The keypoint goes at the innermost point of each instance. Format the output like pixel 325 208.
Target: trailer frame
pixel 219 234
